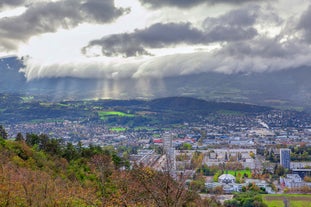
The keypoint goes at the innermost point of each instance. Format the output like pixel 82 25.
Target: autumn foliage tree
pixel 161 189
pixel 41 172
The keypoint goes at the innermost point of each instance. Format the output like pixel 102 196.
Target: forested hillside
pixel 39 171
pixel 15 108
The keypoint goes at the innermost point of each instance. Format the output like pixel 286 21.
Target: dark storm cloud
pixel 124 44
pixel 156 36
pixel 188 3
pixel 159 35
pixel 165 35
pixel 305 24
pixel 47 17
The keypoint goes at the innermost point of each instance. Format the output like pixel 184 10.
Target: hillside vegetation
pixel 39 171
pixel 130 113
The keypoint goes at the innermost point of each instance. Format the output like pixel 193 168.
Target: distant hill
pixel 192 105
pixel 164 111
pixel 286 88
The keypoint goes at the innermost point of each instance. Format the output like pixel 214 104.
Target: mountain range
pixel 284 88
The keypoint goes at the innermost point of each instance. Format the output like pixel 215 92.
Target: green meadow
pixel 105 114
pixel 292 200
pixel 118 129
pixel 242 172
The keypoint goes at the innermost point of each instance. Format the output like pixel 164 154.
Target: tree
pixel 19 137
pixel 197 159
pixel 307 179
pixel 38 178
pixel 217 174
pixel 70 152
pixel 53 147
pixel 246 199
pixel 161 188
pixel 198 184
pixel 186 146
pixel 43 141
pixel 231 203
pixel 252 154
pixel 3 133
pixel 280 170
pixel 211 202
pixel 32 139
pixel 218 190
pixel 103 167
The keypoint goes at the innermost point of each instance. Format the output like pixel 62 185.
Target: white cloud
pixel 55 50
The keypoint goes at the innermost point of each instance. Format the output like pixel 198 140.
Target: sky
pixel 134 39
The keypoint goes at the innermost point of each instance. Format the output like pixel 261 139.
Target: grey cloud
pixel 233 26
pixel 232 58
pixel 304 24
pixel 236 25
pixel 44 17
pixel 245 16
pixel 159 35
pixel 260 55
pixel 176 3
pixel 222 33
pixel 261 47
pixel 156 36
pixel 123 44
pixel 101 10
pixel 165 35
pixel 264 47
pixel 188 3
pixel 11 3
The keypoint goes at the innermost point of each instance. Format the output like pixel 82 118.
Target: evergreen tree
pixel 3 133
pixel 19 137
pixel 32 139
pixel 70 152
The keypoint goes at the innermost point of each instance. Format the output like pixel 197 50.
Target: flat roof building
pixel 285 158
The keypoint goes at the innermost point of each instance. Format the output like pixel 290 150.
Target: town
pixel 216 157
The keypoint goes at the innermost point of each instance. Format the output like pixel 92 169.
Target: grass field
pixel 63 105
pixel 35 121
pixel 105 114
pixel 27 98
pixel 242 172
pixel 292 200
pixel 144 128
pixel 118 129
